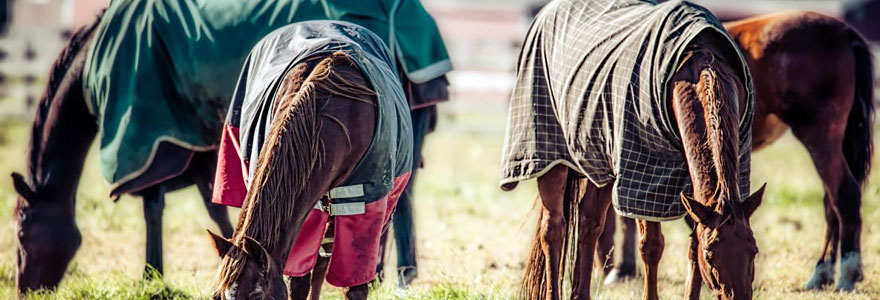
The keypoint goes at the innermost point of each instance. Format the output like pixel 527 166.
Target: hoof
pixel 850 273
pixel 405 276
pixel 618 276
pixel 822 277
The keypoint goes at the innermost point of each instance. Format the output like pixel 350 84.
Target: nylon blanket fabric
pixel 163 70
pixel 591 93
pixel 365 200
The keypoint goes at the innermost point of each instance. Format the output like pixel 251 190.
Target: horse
pixel 189 55
pixel 336 121
pixel 823 92
pixel 708 94
pixel 61 134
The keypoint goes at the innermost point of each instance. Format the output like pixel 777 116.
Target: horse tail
pixel 535 283
pixel 857 141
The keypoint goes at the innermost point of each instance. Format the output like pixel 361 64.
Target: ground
pixel 472 237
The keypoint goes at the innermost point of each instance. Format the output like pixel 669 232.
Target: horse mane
pixel 59 71
pixel 291 152
pixel 716 79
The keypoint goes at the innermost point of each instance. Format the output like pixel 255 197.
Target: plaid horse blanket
pixel 591 93
pixel 164 70
pixel 364 202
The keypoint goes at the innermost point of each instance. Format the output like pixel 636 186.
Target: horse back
pixel 802 61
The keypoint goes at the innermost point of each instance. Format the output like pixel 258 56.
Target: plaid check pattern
pixel 591 94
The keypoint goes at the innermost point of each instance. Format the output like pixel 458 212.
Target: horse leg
pixel 651 248
pixel 298 287
pixel 605 245
pixel 844 195
pixel 823 276
pixel 358 292
pixel 202 169
pixel 541 278
pixel 319 272
pixel 695 278
pixel 318 276
pixel 591 219
pixel 626 269
pixel 154 204
pixel 403 219
pixel 628 261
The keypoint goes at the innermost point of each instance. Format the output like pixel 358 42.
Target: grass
pixel 472 238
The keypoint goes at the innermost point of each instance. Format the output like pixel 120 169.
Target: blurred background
pixel 472 238
pixel 483 37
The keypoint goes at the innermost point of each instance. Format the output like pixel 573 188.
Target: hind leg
pixel 593 210
pixel 844 196
pixel 824 273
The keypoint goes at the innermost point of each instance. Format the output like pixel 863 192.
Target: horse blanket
pixel 364 202
pixel 591 93
pixel 164 70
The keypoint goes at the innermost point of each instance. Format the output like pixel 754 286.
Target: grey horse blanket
pixel 591 93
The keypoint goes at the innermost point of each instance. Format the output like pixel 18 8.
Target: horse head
pixel 45 230
pixel 247 271
pixel 726 244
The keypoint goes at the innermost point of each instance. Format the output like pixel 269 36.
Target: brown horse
pixel 823 91
pixel 328 112
pixel 61 133
pixel 704 95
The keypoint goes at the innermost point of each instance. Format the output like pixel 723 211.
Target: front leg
pixel 651 247
pixel 154 204
pixel 694 279
pixel 358 292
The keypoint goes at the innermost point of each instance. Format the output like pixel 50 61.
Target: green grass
pixel 472 238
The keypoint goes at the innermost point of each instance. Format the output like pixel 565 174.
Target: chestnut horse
pixel 61 133
pixel 574 209
pixel 823 91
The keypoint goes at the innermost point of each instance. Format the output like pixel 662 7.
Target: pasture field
pixel 472 237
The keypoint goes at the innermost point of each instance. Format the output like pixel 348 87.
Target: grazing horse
pixel 61 134
pixel 151 80
pixel 321 124
pixel 824 93
pixel 652 104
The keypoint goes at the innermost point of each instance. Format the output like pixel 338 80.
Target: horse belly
pixel 767 130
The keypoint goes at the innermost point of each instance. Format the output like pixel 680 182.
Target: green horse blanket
pixel 165 70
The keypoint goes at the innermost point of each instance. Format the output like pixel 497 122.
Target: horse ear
pixel 221 244
pixel 22 187
pixel 700 213
pixel 752 202
pixel 256 251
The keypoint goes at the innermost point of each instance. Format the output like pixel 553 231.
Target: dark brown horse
pixel 722 247
pixel 823 91
pixel 61 134
pixel 325 122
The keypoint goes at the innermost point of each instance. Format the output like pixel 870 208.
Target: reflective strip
pixel 351 191
pixel 348 209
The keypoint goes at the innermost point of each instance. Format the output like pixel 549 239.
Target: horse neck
pixel 61 134
pixel 711 137
pixel 284 172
